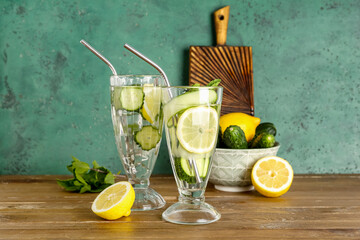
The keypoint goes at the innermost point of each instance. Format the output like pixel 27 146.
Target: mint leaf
pixel 87 179
pixel 109 178
pixel 194 89
pixel 85 188
pixel 77 165
pixel 79 177
pixel 95 165
pixel 214 83
pixel 80 167
pixel 77 183
pixel 68 185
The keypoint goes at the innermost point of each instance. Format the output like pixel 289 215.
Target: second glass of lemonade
pixel 138 123
pixel 191 119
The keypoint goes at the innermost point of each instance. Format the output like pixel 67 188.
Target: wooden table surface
pixel 316 207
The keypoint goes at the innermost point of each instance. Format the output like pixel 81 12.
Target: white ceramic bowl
pixel 231 168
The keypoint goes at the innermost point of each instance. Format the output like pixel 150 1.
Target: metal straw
pixel 142 56
pixel 93 50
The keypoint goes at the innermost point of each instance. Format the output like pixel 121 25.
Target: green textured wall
pixel 54 93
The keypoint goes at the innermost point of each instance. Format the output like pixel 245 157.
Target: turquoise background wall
pixel 54 93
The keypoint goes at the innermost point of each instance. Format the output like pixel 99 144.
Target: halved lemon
pixel 152 101
pixel 272 176
pixel 197 129
pixel 114 201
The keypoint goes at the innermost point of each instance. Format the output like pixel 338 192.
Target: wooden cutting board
pixel 231 64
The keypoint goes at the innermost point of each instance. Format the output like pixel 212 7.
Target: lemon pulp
pixel 152 100
pixel 272 176
pixel 115 201
pixel 197 129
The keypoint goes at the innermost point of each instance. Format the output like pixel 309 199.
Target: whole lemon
pixel 245 121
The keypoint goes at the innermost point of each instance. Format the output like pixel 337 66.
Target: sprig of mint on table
pixel 87 179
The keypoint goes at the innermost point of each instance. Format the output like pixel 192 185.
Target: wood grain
pixel 233 65
pixel 221 19
pixel 316 207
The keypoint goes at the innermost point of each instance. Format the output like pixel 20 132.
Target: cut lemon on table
pixel 114 201
pixel 151 107
pixel 272 176
pixel 197 129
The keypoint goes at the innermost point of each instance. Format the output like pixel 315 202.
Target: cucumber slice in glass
pixel 131 98
pixel 188 100
pixel 202 166
pixel 147 137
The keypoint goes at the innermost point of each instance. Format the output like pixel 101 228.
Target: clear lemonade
pixel 137 122
pixel 191 123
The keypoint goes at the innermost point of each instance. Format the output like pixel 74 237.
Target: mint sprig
pixel 87 179
pixel 214 83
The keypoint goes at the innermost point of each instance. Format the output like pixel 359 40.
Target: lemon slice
pixel 114 201
pixel 272 176
pixel 197 129
pixel 152 101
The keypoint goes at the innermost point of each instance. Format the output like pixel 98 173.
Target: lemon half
pixel 272 176
pixel 114 201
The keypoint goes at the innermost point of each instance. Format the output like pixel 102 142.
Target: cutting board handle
pixel 221 17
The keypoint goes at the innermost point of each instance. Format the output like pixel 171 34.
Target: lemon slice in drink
pixel 272 176
pixel 197 129
pixel 152 101
pixel 114 201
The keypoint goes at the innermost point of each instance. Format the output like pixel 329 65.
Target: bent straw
pixel 93 50
pixel 142 56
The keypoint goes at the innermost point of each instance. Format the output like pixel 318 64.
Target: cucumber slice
pixel 189 99
pixel 202 166
pixel 182 153
pixel 174 119
pixel 131 98
pixel 148 137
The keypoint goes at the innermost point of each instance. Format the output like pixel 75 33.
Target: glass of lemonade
pixel 138 122
pixel 191 119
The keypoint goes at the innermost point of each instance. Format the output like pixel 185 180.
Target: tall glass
pixel 191 119
pixel 138 123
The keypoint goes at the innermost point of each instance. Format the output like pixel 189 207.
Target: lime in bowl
pixel 138 125
pixel 191 119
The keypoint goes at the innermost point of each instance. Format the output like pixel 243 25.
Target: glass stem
pixel 192 199
pixel 139 184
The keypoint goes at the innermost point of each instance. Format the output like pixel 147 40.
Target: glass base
pixel 234 188
pixel 191 213
pixel 147 199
